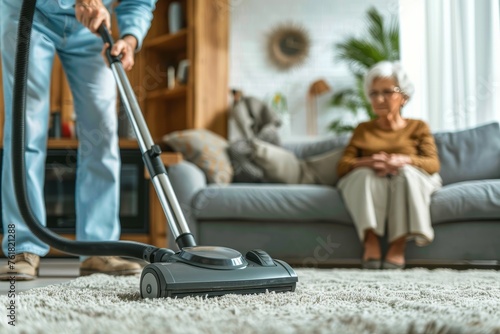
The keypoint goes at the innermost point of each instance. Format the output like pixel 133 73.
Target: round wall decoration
pixel 288 45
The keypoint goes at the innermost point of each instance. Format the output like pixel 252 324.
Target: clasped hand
pixel 93 13
pixel 388 164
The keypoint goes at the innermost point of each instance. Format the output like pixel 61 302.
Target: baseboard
pixel 413 263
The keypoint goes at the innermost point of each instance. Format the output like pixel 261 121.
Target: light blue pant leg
pixel 41 55
pixel 94 94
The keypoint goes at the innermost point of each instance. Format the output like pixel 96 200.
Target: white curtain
pixel 451 49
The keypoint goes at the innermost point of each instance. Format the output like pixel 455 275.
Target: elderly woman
pixel 389 171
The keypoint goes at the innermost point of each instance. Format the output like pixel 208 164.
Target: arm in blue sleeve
pixel 134 18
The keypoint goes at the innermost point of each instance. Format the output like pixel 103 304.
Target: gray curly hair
pixel 393 70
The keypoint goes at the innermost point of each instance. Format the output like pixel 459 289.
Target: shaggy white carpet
pixel 325 301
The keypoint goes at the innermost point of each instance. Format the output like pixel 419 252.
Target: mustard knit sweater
pixel 414 140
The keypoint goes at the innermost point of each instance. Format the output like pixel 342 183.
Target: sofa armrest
pixel 187 180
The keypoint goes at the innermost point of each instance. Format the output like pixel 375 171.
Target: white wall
pixel 327 21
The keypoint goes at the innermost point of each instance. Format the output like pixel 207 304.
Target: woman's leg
pixel 396 252
pixel 371 246
pixel 365 196
pixel 409 213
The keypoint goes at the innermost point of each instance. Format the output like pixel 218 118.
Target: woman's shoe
pixel 371 264
pixel 391 265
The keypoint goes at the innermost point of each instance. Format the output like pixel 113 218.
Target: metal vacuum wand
pixel 150 151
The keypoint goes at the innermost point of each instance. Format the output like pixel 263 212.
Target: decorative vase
pixel 285 130
pixel 280 106
pixel 56 127
pixel 174 17
pixel 183 71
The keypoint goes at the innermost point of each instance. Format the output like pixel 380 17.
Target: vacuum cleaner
pixel 192 271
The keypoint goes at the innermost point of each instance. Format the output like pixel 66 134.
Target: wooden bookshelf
pixel 167 94
pixel 169 42
pixel 62 144
pixel 201 102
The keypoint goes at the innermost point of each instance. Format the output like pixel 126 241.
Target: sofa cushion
pixel 271 202
pixel 466 201
pixel 206 150
pixel 472 154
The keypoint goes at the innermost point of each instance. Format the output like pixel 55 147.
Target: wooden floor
pixel 52 271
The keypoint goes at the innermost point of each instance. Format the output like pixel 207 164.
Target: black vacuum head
pixel 216 271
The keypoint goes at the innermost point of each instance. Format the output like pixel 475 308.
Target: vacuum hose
pixel 121 248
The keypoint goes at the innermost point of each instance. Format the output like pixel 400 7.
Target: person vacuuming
pixel 68 28
pixel 193 270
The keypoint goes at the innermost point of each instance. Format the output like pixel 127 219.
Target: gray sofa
pixel 308 225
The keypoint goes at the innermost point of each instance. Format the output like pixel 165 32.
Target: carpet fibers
pixel 325 301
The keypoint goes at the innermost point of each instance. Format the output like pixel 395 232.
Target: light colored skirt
pixel 403 201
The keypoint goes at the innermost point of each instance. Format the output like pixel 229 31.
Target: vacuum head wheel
pixel 150 286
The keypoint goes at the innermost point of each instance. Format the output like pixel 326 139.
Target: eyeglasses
pixel 386 93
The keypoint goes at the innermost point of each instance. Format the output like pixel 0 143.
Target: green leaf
pixel 348 99
pixel 380 43
pixel 394 39
pixel 339 128
pixel 376 28
pixel 341 97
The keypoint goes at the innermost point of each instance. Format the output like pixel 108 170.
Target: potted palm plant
pixel 380 43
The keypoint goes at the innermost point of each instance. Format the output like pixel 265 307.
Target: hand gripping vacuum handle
pixel 107 38
pixel 150 151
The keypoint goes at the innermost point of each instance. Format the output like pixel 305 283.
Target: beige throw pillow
pixel 279 165
pixel 283 166
pixel 324 167
pixel 206 150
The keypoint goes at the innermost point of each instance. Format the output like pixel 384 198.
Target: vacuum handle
pixel 107 38
pixel 150 151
